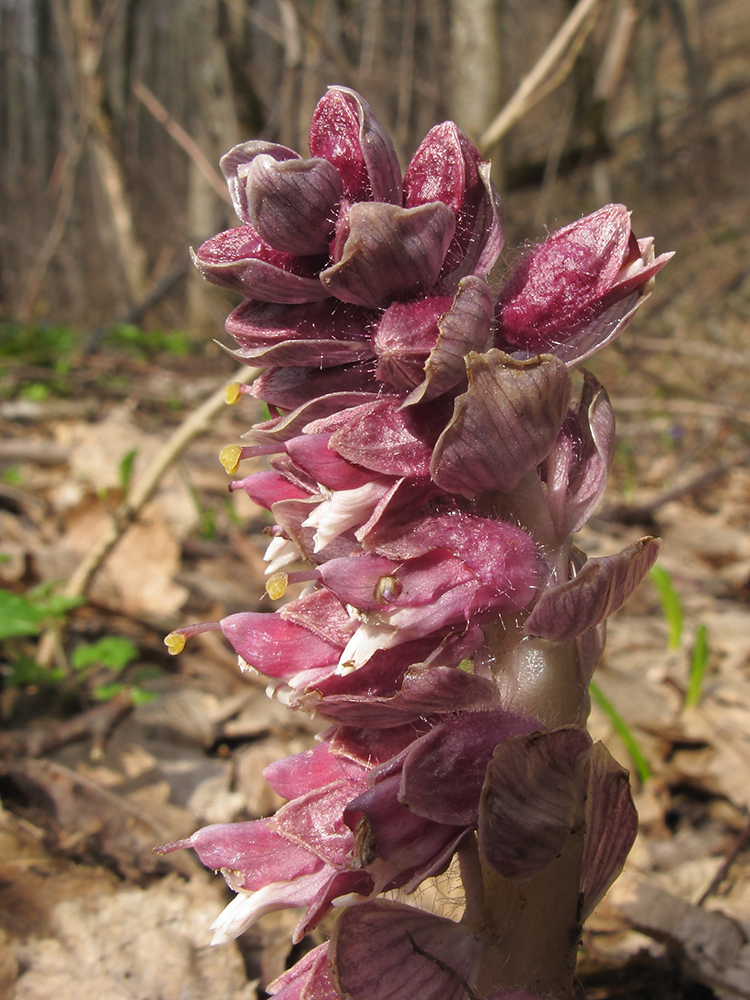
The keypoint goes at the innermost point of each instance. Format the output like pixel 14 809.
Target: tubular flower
pixel 428 462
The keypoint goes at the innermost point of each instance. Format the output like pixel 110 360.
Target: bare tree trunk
pixel 475 64
pixel 214 127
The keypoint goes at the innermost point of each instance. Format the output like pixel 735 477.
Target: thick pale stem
pixel 537 925
pixel 541 678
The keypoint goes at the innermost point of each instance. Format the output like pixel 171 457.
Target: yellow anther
pixel 230 457
pixel 175 643
pixel 232 393
pixel 467 666
pixel 276 585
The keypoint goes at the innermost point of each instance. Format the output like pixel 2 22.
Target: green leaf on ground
pixel 623 730
pixel 698 664
pixel 671 604
pixel 112 651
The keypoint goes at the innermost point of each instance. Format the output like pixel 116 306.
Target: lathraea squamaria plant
pixel 432 451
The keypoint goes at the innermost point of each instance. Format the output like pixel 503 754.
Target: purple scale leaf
pixel 373 747
pixel 487 236
pixel 370 697
pixel 305 352
pixel 502 555
pixel 611 826
pixel 532 799
pixel 365 696
pixel 355 581
pixel 345 131
pixel 448 607
pixel 603 585
pixel 235 166
pixel 290 387
pixel 316 335
pixel 267 488
pixel 577 468
pixel 574 293
pixel 465 327
pixel 292 204
pixel 389 252
pixel 342 883
pixel 405 336
pixel 323 614
pixel 444 771
pixel 559 281
pixel 503 425
pixel 385 830
pixel 283 464
pixel 447 167
pixel 310 415
pixel 241 260
pixel 373 583
pixel 311 453
pixel 403 498
pixel 316 819
pixel 382 950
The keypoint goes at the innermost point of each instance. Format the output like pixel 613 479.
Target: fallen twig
pixel 137 498
pixel 96 723
pixel 643 513
pixel 550 71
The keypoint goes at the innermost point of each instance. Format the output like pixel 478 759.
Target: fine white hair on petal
pixel 349 899
pixel 368 639
pixel 234 918
pixel 245 909
pixel 342 511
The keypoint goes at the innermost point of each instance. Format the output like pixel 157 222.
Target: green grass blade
pixel 623 730
pixel 671 604
pixel 698 664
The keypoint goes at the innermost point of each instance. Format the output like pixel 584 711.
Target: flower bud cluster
pixel 429 463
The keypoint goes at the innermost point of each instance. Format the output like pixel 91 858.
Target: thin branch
pixel 139 496
pixel 536 84
pixel 144 489
pixel 96 723
pixel 343 67
pixel 181 137
pixel 644 513
pixel 730 857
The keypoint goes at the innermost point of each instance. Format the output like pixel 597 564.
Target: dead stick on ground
pixel 535 84
pixel 644 512
pixel 138 497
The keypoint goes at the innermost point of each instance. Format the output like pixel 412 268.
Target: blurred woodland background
pixel 115 521
pixel 113 114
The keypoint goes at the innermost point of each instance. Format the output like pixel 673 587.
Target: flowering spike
pixel 431 463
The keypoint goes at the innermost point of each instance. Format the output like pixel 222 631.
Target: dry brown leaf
pixel 134 944
pixel 715 947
